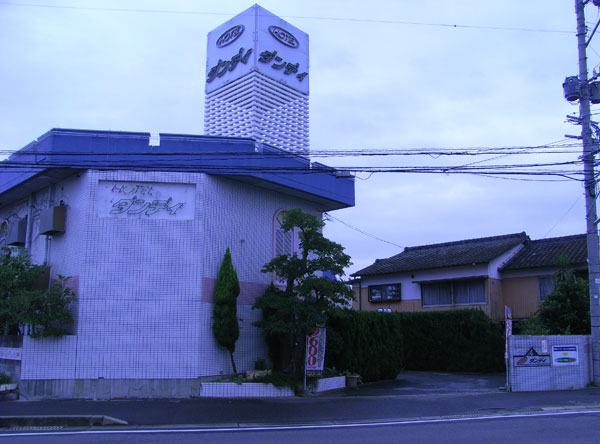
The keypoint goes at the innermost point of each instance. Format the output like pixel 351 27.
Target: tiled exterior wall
pixel 246 390
pixel 552 377
pixel 11 367
pixel 142 309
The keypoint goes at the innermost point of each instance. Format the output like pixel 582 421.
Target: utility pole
pixel 593 243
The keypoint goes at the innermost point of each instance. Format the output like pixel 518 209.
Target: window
pixel 546 284
pixel 385 293
pixel 469 292
pixel 283 241
pixel 3 233
pixel 437 294
pixel 460 292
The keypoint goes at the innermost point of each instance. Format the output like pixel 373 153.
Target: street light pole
pixel 593 243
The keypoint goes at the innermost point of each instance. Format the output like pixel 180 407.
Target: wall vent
pixel 52 220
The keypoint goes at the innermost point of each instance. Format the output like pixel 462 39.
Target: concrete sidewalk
pixel 412 395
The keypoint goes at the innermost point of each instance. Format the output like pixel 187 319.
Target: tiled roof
pixel 545 252
pixel 450 254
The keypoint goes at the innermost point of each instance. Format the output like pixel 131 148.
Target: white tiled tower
pixel 257 80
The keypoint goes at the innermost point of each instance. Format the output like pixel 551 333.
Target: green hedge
pixel 368 343
pixel 452 341
pixel 378 345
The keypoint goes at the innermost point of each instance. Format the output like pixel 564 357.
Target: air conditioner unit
pixel 17 232
pixel 52 220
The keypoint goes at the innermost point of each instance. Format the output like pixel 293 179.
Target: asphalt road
pixel 321 409
pixel 579 428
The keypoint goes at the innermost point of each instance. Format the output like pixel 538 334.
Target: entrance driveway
pixel 415 383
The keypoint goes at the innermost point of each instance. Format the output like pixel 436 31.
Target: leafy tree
pixel 291 313
pixel 225 323
pixel 565 311
pixel 26 304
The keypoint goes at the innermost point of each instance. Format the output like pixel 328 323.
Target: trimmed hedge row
pixel 379 345
pixel 453 341
pixel 368 343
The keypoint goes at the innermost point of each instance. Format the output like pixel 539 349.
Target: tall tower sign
pixel 257 80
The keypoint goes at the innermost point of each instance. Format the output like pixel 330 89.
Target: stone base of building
pixel 105 389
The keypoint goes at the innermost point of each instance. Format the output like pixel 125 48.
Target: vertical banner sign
pixel 315 352
pixel 508 320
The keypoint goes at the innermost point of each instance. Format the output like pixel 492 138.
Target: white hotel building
pixel 141 229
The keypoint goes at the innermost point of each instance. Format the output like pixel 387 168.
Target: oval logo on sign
pixel 283 36
pixel 230 36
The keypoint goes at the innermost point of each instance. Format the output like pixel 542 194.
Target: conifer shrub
pixel 225 323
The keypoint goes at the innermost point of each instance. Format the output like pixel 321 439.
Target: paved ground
pixel 411 395
pixel 414 383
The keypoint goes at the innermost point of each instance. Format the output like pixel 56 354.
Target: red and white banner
pixel 315 350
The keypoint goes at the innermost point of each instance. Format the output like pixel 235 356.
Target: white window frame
pixel 294 235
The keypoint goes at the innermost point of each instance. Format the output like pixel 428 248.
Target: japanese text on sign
pixel 224 66
pixel 146 200
pixel 148 208
pixel 315 350
pixel 288 68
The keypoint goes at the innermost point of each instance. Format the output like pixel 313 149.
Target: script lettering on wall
pixel 146 200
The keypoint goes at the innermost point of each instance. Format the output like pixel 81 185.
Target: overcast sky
pixel 384 74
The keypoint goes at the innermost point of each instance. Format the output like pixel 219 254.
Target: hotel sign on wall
pixel 146 200
pixel 257 40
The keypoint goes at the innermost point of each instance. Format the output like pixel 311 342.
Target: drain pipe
pixel 29 223
pixel 360 294
pixel 48 239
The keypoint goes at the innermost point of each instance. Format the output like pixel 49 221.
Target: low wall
pixel 244 390
pixel 105 389
pixel 325 384
pixel 11 352
pixel 540 363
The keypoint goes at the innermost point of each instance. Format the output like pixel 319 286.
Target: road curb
pixel 59 421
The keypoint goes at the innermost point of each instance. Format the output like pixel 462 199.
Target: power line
pixel 329 216
pixel 566 148
pixel 533 169
pixel 337 19
pixel 563 216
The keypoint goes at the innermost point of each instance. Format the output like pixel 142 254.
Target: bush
pixel 379 345
pixel 367 343
pixel 453 341
pixel 279 380
pixel 27 306
pixel 225 322
pixel 565 311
